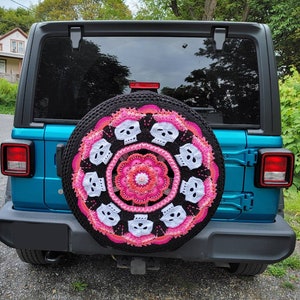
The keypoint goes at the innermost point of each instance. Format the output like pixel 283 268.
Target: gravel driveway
pixel 96 277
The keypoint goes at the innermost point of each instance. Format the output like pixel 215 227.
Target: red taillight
pixel 16 159
pixel 275 168
pixel 144 85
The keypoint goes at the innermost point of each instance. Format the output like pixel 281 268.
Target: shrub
pixel 290 113
pixel 8 93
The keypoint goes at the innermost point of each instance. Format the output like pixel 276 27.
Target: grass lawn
pixel 292 209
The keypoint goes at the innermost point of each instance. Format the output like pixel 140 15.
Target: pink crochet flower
pixel 142 179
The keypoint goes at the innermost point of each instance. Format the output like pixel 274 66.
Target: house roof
pixel 13 31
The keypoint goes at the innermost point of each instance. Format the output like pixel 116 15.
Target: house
pixel 12 49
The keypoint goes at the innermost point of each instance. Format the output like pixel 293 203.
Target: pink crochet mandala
pixel 144 176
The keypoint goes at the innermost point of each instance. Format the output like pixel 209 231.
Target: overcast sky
pixel 17 3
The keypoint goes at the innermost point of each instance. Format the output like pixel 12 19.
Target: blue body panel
pixel 241 200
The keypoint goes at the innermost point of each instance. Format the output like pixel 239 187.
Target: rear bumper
pixel 217 242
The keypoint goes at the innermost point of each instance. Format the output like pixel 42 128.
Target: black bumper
pixel 217 242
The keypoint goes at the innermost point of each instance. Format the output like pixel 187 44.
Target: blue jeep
pixel 148 140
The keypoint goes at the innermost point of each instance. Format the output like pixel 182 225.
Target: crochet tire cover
pixel 143 172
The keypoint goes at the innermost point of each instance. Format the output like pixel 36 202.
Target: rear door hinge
pixel 219 36
pixel 247 203
pixel 245 157
pixel 75 36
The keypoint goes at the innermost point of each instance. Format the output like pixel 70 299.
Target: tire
pixel 247 269
pixel 40 257
pixel 143 172
pixel 34 257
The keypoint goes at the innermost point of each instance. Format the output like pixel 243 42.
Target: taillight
pixel 275 168
pixel 152 86
pixel 17 158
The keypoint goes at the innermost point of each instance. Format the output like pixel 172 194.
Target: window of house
pixel 17 46
pixel 2 66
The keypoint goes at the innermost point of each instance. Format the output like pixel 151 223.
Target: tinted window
pixel 222 85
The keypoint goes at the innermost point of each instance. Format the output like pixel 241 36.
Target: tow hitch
pixel 137 265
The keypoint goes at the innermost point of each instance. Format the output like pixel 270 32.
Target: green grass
pixel 292 209
pixel 281 269
pixel 284 269
pixel 79 286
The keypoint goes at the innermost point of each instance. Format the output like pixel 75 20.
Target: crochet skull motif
pixel 173 216
pixel 100 152
pixel 127 131
pixel 193 189
pixel 93 185
pixel 140 225
pixel 164 132
pixel 189 156
pixel 108 214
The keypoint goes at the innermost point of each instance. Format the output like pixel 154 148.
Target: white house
pixel 12 49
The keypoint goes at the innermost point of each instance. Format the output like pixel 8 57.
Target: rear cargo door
pixel 236 157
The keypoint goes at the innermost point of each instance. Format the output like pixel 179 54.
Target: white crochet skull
pixel 140 225
pixel 189 156
pixel 100 152
pixel 164 132
pixel 108 214
pixel 193 189
pixel 173 216
pixel 127 131
pixel 93 185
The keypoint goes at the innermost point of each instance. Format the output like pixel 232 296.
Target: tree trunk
pixel 246 12
pixel 209 9
pixel 174 7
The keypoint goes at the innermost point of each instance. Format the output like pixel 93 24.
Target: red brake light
pixel 16 159
pixel 276 168
pixel 144 85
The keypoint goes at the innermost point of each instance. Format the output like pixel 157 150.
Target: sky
pixel 17 3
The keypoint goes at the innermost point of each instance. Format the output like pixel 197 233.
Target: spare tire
pixel 143 172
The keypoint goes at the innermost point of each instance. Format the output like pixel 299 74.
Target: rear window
pixel 223 86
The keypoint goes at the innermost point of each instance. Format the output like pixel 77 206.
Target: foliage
pixel 280 269
pixel 12 18
pixel 282 17
pixel 79 286
pixel 8 94
pixel 51 10
pixel 284 22
pixel 290 109
pixel 292 210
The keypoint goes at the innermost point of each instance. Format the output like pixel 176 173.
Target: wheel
pixel 39 257
pixel 34 257
pixel 247 269
pixel 143 172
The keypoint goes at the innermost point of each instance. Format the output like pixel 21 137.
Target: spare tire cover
pixel 143 172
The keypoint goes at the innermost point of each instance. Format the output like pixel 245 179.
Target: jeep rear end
pixel 76 80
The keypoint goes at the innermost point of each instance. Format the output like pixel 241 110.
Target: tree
pixel 284 22
pixel 12 18
pixel 282 17
pixel 290 107
pixel 51 10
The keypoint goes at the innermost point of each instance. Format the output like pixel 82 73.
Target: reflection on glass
pixel 222 85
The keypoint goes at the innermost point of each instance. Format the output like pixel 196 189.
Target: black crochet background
pixel 137 100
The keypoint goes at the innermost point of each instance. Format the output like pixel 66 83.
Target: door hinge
pixel 247 202
pixel 219 38
pixel 75 36
pixel 245 157
pixel 240 201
